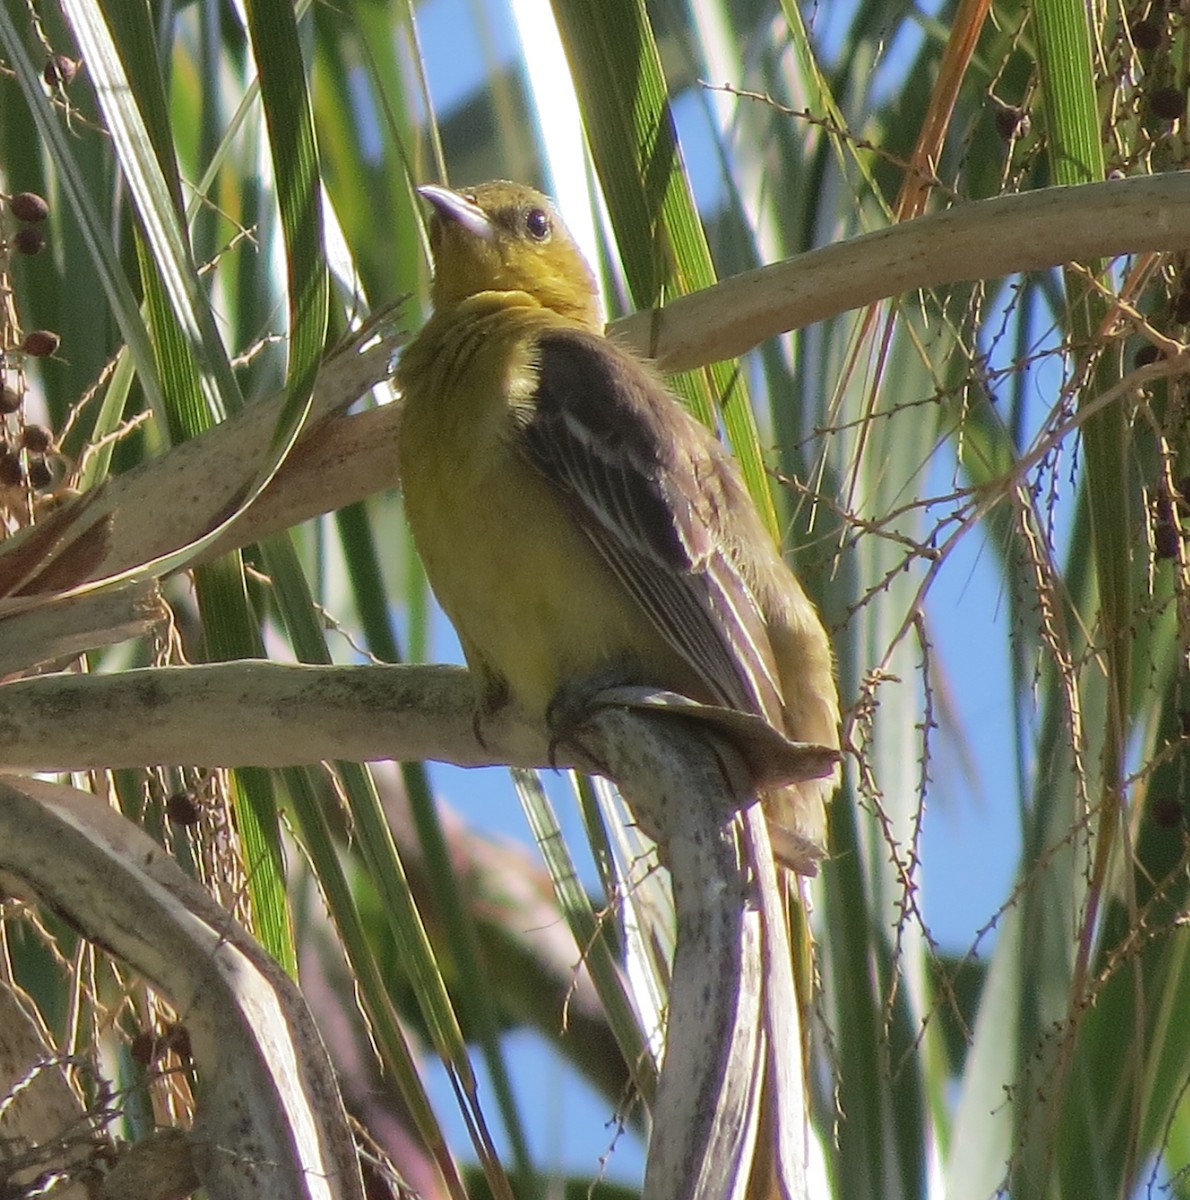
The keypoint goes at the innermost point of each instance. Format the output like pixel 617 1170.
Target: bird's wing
pixel 651 489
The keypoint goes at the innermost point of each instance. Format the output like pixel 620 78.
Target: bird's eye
pixel 537 224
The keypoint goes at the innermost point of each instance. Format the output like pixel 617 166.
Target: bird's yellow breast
pixel 503 555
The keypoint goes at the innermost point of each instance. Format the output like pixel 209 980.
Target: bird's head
pixel 506 237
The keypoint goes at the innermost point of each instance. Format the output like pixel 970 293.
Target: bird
pixel 579 528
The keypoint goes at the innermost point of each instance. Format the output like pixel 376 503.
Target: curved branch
pixel 265 714
pixel 732 1039
pixel 985 239
pixel 270 1123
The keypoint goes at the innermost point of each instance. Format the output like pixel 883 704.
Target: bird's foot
pixel 494 695
pixel 570 711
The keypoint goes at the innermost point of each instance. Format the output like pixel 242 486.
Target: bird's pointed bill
pixel 454 206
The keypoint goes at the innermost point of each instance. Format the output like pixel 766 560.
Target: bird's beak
pixel 453 206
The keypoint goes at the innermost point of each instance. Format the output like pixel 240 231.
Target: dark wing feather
pixel 647 492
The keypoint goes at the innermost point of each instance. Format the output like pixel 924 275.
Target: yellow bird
pixel 578 526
